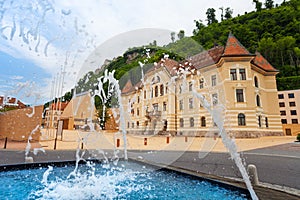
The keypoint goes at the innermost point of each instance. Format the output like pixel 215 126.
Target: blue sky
pixel 40 39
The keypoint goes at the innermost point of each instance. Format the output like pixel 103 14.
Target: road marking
pixel 276 155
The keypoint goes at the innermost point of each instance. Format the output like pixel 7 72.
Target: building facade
pixel 224 87
pixel 289 105
pixel 53 113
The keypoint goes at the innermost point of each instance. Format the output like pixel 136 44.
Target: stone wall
pixel 18 124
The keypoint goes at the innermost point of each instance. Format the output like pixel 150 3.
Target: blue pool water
pixel 125 181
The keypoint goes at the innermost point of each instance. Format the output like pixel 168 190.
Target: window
pixel 155 107
pixel 166 91
pixel 242 74
pixel 190 86
pixel 280 96
pixel 282 113
pixel 191 103
pixel 145 94
pixel 267 122
pixel 213 80
pixel 181 104
pixel 156 91
pixel 191 122
pixel 292 104
pixel 128 125
pixel 161 90
pixel 132 112
pixel 137 112
pixel 241 119
pixel 239 95
pixel 137 124
pixel 258 101
pixel 281 104
pixel 293 112
pixel 181 121
pixel 291 95
pixel 164 106
pixel 132 125
pixel 201 83
pixel 259 121
pixel 233 74
pixel 180 89
pixel 294 121
pixel 215 99
pixel 203 122
pixel 255 81
pixel 283 121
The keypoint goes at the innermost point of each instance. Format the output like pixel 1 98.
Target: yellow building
pixel 236 87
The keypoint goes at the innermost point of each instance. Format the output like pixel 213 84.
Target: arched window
pixel 156 91
pixel 161 90
pixel 157 79
pixel 203 122
pixel 258 101
pixel 241 119
pixel 255 81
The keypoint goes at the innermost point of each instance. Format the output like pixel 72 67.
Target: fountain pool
pixel 126 180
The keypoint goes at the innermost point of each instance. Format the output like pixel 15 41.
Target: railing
pixel 154 113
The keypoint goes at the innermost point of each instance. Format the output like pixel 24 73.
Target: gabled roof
pixel 168 63
pixel 207 58
pixel 128 87
pixel 262 63
pixel 234 47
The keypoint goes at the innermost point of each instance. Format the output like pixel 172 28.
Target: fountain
pixel 107 180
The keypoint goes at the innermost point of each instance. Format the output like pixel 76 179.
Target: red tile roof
pixel 11 102
pixel 262 63
pixel 234 47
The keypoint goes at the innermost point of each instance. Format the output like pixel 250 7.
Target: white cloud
pixel 16 77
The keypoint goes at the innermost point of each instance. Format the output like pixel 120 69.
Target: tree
pixel 173 36
pixel 199 26
pixel 258 5
pixel 222 13
pixel 180 35
pixel 228 13
pixel 269 4
pixel 211 16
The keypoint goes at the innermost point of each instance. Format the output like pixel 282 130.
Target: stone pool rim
pixel 225 182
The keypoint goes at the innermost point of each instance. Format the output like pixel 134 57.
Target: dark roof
pixel 207 58
pixel 128 87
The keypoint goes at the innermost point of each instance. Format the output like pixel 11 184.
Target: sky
pixel 46 46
